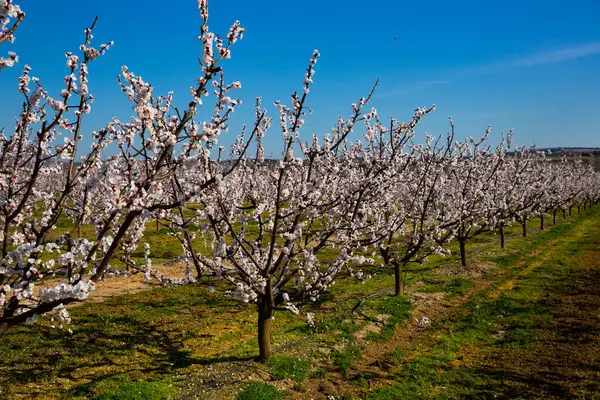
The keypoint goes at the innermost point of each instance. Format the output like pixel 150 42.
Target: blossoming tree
pixel 41 182
pixel 405 222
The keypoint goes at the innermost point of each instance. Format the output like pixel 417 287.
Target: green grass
pixel 346 359
pixel 293 368
pixel 120 387
pixel 395 308
pixel 399 392
pixel 391 360
pixel 260 391
pixel 137 391
pixel 452 286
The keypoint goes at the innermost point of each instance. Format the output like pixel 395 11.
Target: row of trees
pixel 381 201
pixel 264 225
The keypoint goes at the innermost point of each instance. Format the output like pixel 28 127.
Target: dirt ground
pixel 563 362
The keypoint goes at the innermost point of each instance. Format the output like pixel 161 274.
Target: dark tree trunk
pixel 578 209
pixel 524 225
pixel 265 320
pixel 197 267
pixel 399 278
pixel 463 252
pixel 502 236
pixel 554 217
pixel 542 222
pixel 101 269
pixel 564 214
pixel 571 211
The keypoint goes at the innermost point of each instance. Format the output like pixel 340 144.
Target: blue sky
pixel 532 66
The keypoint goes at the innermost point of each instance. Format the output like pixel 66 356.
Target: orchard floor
pixel 523 322
pixel 535 335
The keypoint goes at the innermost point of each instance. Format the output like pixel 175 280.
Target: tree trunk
pixel 399 278
pixel 502 236
pixel 554 217
pixel 570 211
pixel 101 269
pixel 542 222
pixel 564 214
pixel 157 225
pixel 524 225
pixel 463 252
pixel 578 209
pixel 265 319
pixel 197 266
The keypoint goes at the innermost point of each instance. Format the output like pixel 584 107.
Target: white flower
pixel 17 238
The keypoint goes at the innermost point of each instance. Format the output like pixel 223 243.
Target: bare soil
pixel 563 362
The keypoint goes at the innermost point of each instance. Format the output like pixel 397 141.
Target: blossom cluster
pixel 11 16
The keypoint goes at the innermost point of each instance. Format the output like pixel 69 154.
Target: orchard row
pixel 366 192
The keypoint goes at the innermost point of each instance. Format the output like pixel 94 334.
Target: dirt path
pixel 436 308
pixel 111 286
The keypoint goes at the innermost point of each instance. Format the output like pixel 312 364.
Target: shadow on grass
pixel 149 335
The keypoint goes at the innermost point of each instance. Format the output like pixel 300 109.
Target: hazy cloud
pixel 558 55
pixel 539 58
pixel 535 59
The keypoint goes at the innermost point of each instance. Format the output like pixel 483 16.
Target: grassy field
pixel 518 322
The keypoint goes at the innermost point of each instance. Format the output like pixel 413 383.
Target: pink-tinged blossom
pixel 79 291
pixel 8 62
